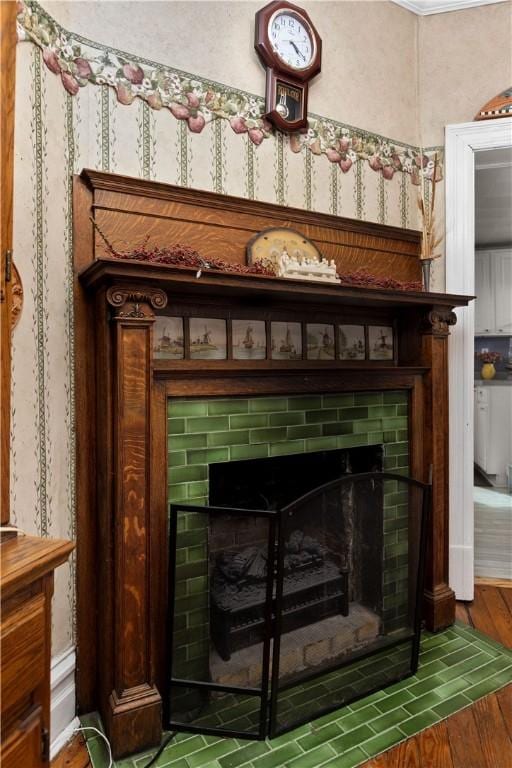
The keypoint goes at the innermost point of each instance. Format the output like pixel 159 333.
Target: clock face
pixel 291 39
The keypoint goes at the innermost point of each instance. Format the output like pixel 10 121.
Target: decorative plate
pixel 269 244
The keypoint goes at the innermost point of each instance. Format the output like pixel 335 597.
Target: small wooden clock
pixel 290 49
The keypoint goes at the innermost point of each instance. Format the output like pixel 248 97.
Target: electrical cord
pixel 97 730
pixel 153 760
pixel 161 748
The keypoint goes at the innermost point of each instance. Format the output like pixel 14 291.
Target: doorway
pixel 492 491
pixel 463 142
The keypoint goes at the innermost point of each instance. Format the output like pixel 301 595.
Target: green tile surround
pixel 213 430
pixel 457 667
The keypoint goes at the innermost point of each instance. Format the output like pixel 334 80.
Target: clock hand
pixel 297 50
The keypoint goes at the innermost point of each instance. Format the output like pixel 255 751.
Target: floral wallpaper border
pixel 197 101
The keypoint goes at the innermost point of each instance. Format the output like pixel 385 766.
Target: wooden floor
pixel 75 755
pixel 477 737
pixel 493 532
pixel 481 735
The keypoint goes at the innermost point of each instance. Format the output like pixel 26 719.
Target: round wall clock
pixel 290 49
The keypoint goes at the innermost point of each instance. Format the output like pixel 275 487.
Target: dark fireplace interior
pixel 323 549
pixel 274 482
pixel 295 583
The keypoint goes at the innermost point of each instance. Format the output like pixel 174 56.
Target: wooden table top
pixel 26 558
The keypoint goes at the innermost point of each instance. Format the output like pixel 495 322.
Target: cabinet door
pixel 503 283
pixel 485 319
pixel 24 747
pixel 481 433
pixel 500 427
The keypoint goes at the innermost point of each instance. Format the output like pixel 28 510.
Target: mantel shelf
pixel 106 272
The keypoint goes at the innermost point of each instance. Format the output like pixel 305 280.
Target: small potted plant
pixel 488 359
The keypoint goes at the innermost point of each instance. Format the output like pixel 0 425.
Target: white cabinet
pixel 493 431
pixel 493 289
pixel 503 282
pixel 482 428
pixel 485 316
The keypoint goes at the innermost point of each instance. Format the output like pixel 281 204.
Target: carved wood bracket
pixel 437 322
pixel 136 303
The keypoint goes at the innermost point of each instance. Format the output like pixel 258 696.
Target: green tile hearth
pixel 447 681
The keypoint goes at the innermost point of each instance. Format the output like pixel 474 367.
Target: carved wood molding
pixel 438 321
pixel 136 303
pixel 155 190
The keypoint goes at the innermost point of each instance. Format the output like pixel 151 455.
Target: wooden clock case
pixel 278 71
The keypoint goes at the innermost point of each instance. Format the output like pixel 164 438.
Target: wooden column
pixel 439 601
pixel 133 716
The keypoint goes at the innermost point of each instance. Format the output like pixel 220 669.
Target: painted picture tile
pixel 286 341
pixel 351 342
pixel 207 339
pixel 168 338
pixel 320 340
pixel 380 342
pixel 249 339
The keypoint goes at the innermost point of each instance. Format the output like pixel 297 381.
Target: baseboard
pixel 488 582
pixel 62 700
pixel 461 571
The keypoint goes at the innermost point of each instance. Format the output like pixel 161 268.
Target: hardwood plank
pixel 505 701
pixel 382 761
pixel 435 748
pixel 499 611
pixel 464 741
pixel 461 612
pixel 73 755
pixel 481 618
pixel 496 744
pixel 407 754
pixel 506 593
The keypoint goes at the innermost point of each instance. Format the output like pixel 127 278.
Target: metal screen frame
pixel 270 688
pixel 414 636
pixel 263 692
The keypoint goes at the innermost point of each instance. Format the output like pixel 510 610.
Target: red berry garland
pixel 362 279
pixel 188 258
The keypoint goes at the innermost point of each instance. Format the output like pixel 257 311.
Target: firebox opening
pixel 272 483
pixel 332 599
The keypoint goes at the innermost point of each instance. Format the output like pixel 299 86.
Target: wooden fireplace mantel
pixel 109 271
pixel 122 394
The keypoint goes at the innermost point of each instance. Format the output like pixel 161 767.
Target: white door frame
pixel 462 141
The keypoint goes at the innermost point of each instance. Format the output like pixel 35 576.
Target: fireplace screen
pixel 279 615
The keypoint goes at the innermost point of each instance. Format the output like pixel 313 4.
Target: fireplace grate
pixel 279 616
